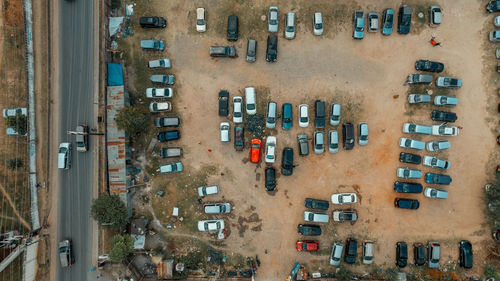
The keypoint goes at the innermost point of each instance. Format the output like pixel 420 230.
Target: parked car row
pixel 433 256
pixel 213 208
pixel 386 22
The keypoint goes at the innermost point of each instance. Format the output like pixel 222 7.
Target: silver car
pixel 416 129
pixel 217 208
pixel 273 19
pixel 443 130
pixel 448 82
pixel 407 173
pixel 438 145
pixel 237 109
pixel 335 114
pixel 333 141
pixel 434 250
pixel 436 193
pixel 336 255
pixel 160 63
pixel 494 36
pixel 363 134
pixel 419 98
pixel 290 25
pixel 319 142
pixel 317 23
pixel 435 162
pixel 412 144
pixel 444 100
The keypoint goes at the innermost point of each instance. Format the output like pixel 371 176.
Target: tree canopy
pixel 132 120
pixel 109 211
pixel 123 245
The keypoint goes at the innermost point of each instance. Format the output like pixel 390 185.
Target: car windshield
pixel 406 173
pixel 359 25
pixel 318 26
pixel 256 145
pixel 290 28
pixel 435 145
pixel 237 114
pixel 412 127
pixel 200 22
pixel 434 193
pixel 434 161
pixel 250 106
pixel 271 119
pixel 364 137
pixel 388 21
pixel 303 119
pixel 408 143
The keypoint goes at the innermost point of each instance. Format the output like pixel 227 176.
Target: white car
pixel 407 173
pixel 410 128
pixel 217 208
pixel 344 198
pixel 251 105
pixel 443 130
pixel 159 92
pixel 201 23
pixel 160 63
pixel 237 109
pixel 435 162
pixel 224 131
pixel 445 101
pixel 160 106
pixel 208 190
pixel 496 21
pixel 273 19
pixel 170 168
pixel 430 192
pixel 12 112
pixel 317 23
pixel 270 149
pixel 438 145
pixel 333 141
pixel 412 144
pixel 303 115
pixel 210 225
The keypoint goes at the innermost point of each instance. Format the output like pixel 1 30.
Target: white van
pixel 316 216
pixel 271 115
pixel 64 156
pixel 251 106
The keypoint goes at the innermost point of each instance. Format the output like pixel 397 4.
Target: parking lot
pixel 367 78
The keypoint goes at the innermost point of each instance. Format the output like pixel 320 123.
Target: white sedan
pixel 270 149
pixel 159 92
pixel 210 225
pixel 303 115
pixel 201 23
pixel 443 130
pixel 160 63
pixel 344 198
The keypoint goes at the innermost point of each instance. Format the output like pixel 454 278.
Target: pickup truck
pixel 419 79
pixel 167 79
pixel 171 152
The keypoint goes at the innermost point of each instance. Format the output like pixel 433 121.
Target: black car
pixel 232 28
pixel 387 21
pixel 287 162
pixel 348 136
pixel 407 187
pixel 404 19
pixel 429 66
pixel 153 22
pixel 316 204
pixel 410 158
pixel 309 229
pixel 351 250
pixel 270 173
pixel 272 48
pixel 406 203
pixel 319 114
pixel 223 103
pixel 239 138
pixel 466 254
pixel 493 6
pixel 419 254
pixel 437 179
pixel 401 254
pixel 168 136
pixel 443 116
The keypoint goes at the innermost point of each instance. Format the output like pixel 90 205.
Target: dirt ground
pixel 363 76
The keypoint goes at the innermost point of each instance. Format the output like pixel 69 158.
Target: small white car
pixel 270 149
pixel 363 134
pixel 318 23
pixel 430 192
pixel 210 225
pixel 333 141
pixel 160 106
pixel 64 155
pixel 496 21
pixel 316 216
pixel 224 131
pixel 443 130
pixel 159 63
pixel 303 115
pixel 251 105
pixel 407 173
pixel 438 145
pixel 12 112
pixel 159 93
pixel 201 23
pixel 208 190
pixel 435 162
pixel 217 208
pixel 335 114
pixel 412 144
pixel 273 19
pixel 445 101
pixel 410 128
pixel 237 109
pixel 344 198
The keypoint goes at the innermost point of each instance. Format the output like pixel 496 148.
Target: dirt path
pixel 16 212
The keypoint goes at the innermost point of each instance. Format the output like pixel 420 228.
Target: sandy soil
pixel 334 67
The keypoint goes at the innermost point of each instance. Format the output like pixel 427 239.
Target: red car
pixel 255 150
pixel 308 245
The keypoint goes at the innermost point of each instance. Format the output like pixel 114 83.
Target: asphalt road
pixel 76 37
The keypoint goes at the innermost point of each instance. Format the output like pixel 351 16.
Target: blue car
pixel 437 178
pixel 359 24
pixel 387 21
pixel 168 136
pixel 286 122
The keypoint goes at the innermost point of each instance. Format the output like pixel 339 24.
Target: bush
pixel 123 245
pixel 14 163
pixel 490 271
pixel 391 274
pixel 492 198
pixel 109 211
pixel 19 123
pixel 132 121
pixel 343 274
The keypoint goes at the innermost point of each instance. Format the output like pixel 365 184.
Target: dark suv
pixel 303 144
pixel 410 158
pixel 466 255
pixel 404 19
pixel 348 136
pixel 316 204
pixel 287 162
pixel 419 254
pixel 407 187
pixel 272 48
pixel 168 136
pixel 232 28
pixel 406 203
pixel 270 178
pixel 437 179
pixel 223 103
pixel 401 254
pixel 443 116
pixel 430 66
pixel 153 22
pixel 309 229
pixel 239 138
pixel 319 114
pixel 351 250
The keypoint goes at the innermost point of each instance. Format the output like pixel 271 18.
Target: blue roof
pixel 115 74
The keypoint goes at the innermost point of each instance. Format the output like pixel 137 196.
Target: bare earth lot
pixel 363 76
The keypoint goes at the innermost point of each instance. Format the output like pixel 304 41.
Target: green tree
pixel 492 198
pixel 18 123
pixel 109 211
pixel 343 274
pixel 132 120
pixel 490 271
pixel 123 245
pixel 14 163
